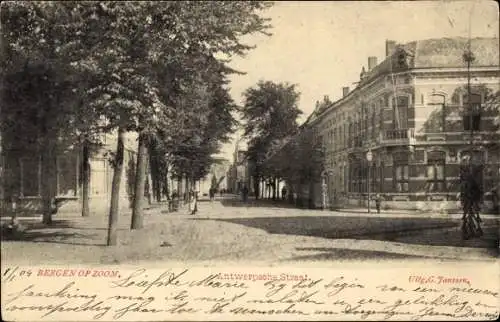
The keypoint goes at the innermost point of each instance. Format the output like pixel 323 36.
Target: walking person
pixel 378 202
pixel 283 193
pixel 244 191
pixel 494 199
pixel 193 202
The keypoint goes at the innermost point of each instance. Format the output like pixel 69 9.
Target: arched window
pixel 437 120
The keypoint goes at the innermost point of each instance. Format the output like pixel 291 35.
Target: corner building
pixel 412 112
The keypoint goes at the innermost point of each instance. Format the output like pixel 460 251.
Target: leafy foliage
pixel 270 113
pixel 84 68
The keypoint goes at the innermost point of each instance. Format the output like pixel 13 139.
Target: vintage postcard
pixel 241 161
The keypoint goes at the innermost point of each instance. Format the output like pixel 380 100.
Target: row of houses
pixel 413 115
pixel 21 173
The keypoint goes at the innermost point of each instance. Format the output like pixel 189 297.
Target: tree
pixel 139 66
pixel 193 50
pixel 270 114
pixel 40 43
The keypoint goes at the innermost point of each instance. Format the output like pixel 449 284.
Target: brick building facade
pixel 412 112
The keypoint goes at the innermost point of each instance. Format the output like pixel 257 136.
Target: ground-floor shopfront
pixel 424 177
pixel 22 178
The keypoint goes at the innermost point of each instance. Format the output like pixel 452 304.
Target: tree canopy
pixel 74 70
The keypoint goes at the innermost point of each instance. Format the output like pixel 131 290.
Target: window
pixel 435 175
pixel 381 120
pixel 356 176
pixel 373 176
pixel 350 134
pixel 472 112
pixel 401 177
pixel 373 125
pixel 345 135
pixel 400 111
pixel 366 119
pixel 381 177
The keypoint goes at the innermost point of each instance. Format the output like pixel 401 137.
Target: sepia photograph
pixel 243 160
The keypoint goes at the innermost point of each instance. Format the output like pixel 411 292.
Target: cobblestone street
pixel 229 230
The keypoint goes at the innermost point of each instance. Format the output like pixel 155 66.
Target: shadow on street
pixel 267 203
pixel 420 231
pixel 59 232
pixel 332 254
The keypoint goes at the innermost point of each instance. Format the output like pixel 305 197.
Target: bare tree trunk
pixel 166 187
pixel 148 190
pixel 140 182
pixel 256 182
pixel 48 178
pixel 115 191
pixel 156 180
pixel 85 179
pixel 159 188
pixel 186 188
pixel 273 183
pixel 179 187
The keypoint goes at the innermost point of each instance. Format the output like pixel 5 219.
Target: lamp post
pixel 369 158
pixel 324 187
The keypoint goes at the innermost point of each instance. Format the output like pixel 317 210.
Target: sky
pixel 321 46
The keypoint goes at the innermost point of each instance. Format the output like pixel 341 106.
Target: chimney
pixel 363 73
pixel 390 45
pixel 345 91
pixel 372 62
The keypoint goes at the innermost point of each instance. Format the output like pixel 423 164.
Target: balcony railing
pixel 399 137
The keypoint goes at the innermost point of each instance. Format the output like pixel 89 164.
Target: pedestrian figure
pixel 211 193
pixel 378 201
pixel 193 202
pixel 283 193
pixel 494 200
pixel 174 201
pixel 244 191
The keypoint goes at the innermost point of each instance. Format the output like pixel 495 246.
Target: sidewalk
pixel 239 233
pixel 279 203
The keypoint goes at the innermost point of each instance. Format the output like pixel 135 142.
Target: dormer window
pixel 401 58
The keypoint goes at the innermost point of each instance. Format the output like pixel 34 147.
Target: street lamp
pixel 324 187
pixel 369 158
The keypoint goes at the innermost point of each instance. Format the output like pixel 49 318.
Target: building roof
pixel 447 52
pixel 439 53
pixel 429 53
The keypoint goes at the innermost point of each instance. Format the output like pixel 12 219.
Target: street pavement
pixel 228 230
